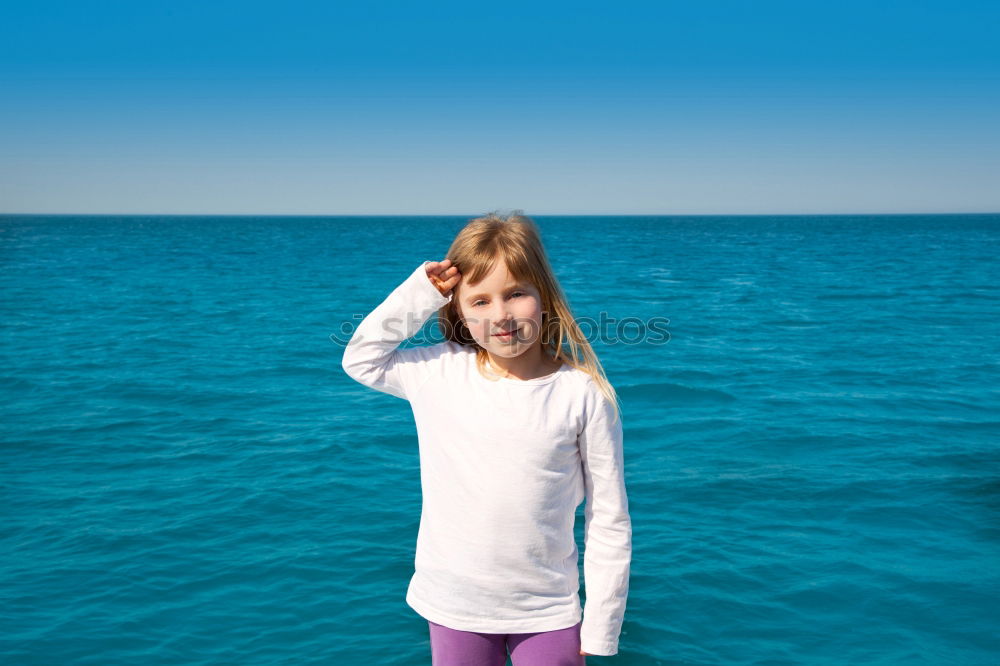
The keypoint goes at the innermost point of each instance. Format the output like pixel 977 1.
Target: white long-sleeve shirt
pixel 503 466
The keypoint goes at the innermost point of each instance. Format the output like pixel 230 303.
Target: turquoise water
pixel 189 478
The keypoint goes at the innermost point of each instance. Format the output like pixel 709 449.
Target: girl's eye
pixel 516 293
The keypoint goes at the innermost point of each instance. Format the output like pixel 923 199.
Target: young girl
pixel 516 425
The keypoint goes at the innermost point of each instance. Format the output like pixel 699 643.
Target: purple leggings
pixel 452 647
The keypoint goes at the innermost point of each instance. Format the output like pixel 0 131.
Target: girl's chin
pixel 513 348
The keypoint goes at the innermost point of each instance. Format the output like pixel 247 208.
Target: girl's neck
pixel 532 364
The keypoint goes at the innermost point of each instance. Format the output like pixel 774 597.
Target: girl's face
pixel 499 303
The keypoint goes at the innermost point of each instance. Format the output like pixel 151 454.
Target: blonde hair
pixel 515 240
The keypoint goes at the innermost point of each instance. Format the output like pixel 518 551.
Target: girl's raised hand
pixel 443 275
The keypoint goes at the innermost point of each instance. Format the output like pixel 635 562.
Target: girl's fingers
pixel 448 274
pixel 443 275
pixel 438 266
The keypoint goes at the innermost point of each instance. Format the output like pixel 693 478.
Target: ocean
pixel 812 450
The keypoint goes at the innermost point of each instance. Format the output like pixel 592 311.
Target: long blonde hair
pixel 515 240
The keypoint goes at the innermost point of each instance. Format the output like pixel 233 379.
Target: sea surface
pixel 188 476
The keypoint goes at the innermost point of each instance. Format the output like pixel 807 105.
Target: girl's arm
pixel 607 527
pixel 372 358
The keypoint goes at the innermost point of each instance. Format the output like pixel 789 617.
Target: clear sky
pixel 695 107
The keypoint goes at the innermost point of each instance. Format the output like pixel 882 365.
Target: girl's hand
pixel 585 654
pixel 443 275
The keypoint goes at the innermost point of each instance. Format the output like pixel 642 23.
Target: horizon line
pixel 853 214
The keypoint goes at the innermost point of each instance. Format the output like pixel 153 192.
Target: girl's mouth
pixel 506 336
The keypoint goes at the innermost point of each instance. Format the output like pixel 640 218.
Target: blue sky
pixel 459 108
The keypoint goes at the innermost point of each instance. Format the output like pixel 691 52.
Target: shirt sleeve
pixel 372 357
pixel 607 528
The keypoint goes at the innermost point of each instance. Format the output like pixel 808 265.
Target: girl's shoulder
pixel 441 362
pixel 581 377
pixel 581 382
pixel 437 351
pixel 588 392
